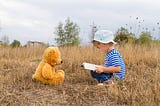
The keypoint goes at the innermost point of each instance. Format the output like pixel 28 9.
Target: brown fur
pixel 46 72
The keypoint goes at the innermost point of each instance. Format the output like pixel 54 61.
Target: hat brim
pixel 105 42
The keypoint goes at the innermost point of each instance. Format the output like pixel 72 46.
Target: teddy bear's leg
pixel 36 77
pixel 58 78
pixel 33 77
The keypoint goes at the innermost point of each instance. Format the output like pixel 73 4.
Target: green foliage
pixel 123 36
pixel 15 43
pixel 61 35
pixel 145 38
pixel 67 34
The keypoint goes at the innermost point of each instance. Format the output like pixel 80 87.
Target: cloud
pixel 21 14
pixel 24 21
pixel 34 19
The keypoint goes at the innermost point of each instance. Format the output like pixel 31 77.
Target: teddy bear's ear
pixel 47 52
pixel 52 55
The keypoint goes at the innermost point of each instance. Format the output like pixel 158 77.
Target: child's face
pixel 101 46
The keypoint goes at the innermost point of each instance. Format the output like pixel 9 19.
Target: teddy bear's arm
pixel 47 72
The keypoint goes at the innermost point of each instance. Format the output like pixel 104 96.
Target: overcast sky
pixel 35 20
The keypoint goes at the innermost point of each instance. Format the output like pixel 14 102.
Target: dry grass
pixel 141 87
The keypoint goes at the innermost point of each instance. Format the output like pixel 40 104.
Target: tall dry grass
pixel 141 86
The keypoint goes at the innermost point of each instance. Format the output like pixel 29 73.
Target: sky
pixel 36 20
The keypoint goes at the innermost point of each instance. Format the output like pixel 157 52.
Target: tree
pixel 123 36
pixel 93 31
pixel 5 40
pixel 67 34
pixel 15 43
pixel 145 38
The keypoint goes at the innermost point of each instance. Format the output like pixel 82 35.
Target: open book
pixel 89 66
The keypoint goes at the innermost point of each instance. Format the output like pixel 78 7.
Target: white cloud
pixel 21 14
pixel 32 19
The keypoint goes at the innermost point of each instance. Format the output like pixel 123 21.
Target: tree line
pixel 67 33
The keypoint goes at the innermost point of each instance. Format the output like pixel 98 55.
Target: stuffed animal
pixel 46 72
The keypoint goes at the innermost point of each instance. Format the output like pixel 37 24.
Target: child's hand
pixel 99 69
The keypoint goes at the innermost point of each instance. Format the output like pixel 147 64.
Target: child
pixel 114 65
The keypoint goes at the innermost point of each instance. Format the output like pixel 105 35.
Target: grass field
pixel 141 86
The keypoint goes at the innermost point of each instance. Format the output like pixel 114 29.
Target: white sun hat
pixel 104 36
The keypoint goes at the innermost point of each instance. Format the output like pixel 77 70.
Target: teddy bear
pixel 46 72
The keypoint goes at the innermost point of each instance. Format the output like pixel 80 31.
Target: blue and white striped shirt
pixel 114 58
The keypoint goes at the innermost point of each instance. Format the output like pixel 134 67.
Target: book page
pixel 89 66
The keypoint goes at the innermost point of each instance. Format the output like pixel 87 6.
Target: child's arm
pixel 111 69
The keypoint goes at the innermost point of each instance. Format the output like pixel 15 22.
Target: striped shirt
pixel 114 58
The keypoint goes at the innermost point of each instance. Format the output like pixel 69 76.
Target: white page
pixel 89 66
